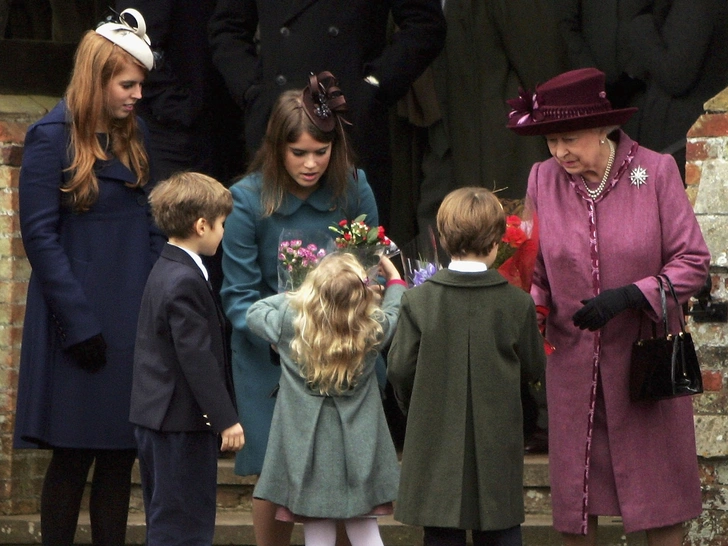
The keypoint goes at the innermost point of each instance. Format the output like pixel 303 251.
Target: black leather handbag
pixel 665 367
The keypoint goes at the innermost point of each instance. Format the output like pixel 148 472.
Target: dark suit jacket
pixel 182 379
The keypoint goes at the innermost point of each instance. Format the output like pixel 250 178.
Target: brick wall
pixel 21 471
pixel 707 170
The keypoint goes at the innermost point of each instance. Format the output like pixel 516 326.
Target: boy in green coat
pixel 463 340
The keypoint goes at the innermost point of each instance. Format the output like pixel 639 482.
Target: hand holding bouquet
pixel 368 243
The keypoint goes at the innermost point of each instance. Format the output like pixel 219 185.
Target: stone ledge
pixel 237 528
pixel 719 103
pixel 25 107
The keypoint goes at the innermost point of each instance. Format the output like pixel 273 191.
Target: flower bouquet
pixel 420 259
pixel 368 243
pixel 298 253
pixel 517 252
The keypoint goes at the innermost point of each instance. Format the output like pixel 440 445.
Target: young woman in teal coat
pixel 91 243
pixel 300 179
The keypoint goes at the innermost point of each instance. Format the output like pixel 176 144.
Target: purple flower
pixel 422 274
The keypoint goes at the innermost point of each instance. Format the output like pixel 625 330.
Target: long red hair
pixel 96 62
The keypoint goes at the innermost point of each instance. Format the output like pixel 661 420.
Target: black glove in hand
pixel 90 354
pixel 601 309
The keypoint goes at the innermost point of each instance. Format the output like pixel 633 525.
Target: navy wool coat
pixel 88 274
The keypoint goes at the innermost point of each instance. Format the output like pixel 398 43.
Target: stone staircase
pixel 234 521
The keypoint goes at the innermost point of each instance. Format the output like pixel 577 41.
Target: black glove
pixel 601 309
pixel 90 354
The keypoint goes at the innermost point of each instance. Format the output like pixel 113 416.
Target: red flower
pixel 347 236
pixel 343 222
pixel 514 236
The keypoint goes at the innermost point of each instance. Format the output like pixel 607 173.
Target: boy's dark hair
pixel 178 202
pixel 470 220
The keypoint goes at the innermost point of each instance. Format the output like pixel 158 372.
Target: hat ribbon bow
pixel 327 96
pixel 525 107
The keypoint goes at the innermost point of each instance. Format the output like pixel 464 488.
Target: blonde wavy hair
pixel 337 326
pixel 96 62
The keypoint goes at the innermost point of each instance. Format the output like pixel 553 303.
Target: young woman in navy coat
pixel 90 241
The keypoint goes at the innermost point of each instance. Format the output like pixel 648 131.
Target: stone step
pixel 235 492
pixel 536 485
pixel 236 528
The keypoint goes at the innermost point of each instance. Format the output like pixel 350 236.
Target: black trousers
pixel 179 485
pixel 443 536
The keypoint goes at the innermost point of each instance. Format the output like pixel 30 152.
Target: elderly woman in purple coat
pixel 612 216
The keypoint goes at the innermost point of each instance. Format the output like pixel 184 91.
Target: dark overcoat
pixel 328 456
pixel 462 344
pixel 185 103
pixel 681 47
pixel 182 377
pixel 641 226
pixel 348 38
pixel 493 47
pixel 593 31
pixel 88 275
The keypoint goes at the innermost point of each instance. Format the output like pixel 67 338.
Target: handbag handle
pixel 663 300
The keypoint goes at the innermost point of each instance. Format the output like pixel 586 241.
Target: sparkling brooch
pixel 638 176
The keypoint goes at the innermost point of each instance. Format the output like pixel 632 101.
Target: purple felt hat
pixel 571 101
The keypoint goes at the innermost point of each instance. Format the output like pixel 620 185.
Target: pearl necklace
pixel 597 192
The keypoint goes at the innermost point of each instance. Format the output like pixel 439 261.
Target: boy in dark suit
pixel 182 395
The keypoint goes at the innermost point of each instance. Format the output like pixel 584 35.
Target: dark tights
pixel 63 488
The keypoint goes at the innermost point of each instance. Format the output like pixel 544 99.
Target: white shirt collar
pixel 196 258
pixel 467 266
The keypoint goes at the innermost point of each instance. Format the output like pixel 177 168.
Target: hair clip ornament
pixel 322 99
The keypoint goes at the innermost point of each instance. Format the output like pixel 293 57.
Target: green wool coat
pixel 327 456
pixel 462 342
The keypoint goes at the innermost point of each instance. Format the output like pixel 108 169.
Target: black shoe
pixel 537 442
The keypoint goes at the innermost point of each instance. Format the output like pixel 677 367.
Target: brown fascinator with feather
pixel 323 101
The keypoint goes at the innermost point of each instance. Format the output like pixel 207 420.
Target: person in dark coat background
pixel 593 32
pixel 455 110
pixel 680 49
pixel 186 104
pixel 89 237
pixel 264 48
pixel 454 133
